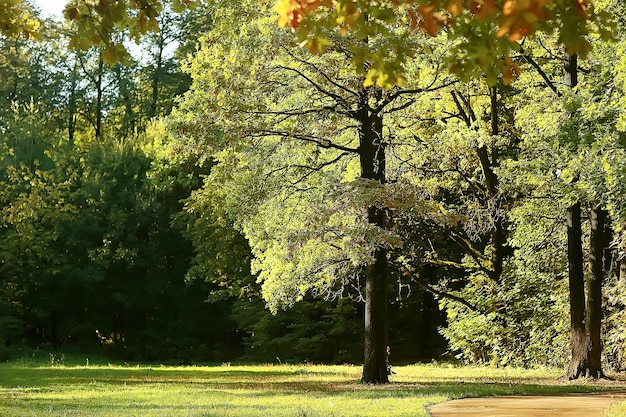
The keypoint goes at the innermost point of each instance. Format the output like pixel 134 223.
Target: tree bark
pixel 571 71
pixel 99 97
pixel 376 316
pixel 578 335
pixel 579 340
pixel 585 309
pixel 593 324
pixel 372 160
pixel 499 234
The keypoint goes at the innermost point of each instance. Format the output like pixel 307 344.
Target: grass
pixel 616 410
pixel 38 389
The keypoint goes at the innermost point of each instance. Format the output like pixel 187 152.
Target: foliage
pixel 317 332
pixel 522 323
pixel 614 352
pixel 281 133
pixel 89 257
pixel 116 226
pixel 17 18
pixel 485 34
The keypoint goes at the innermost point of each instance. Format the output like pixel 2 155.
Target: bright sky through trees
pixel 50 7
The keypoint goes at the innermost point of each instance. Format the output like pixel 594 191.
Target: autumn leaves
pixel 515 18
pixel 487 31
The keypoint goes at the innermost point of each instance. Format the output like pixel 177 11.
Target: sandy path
pixel 573 405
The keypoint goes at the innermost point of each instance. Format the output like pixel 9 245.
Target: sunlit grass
pixel 616 410
pixel 279 390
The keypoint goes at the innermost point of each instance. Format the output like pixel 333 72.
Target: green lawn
pixel 28 389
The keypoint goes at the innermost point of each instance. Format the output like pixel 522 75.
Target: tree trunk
pixel 593 323
pixel 499 234
pixel 372 159
pixel 156 75
pixel 579 340
pixel 72 106
pixel 99 97
pixel 376 316
pixel 578 336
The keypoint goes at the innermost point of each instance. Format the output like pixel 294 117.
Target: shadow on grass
pixel 253 391
pixel 285 380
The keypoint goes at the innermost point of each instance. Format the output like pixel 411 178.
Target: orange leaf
pixel 483 8
pixel 430 22
pixel 292 12
pixel 455 7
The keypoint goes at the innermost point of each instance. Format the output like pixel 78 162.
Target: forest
pixel 203 185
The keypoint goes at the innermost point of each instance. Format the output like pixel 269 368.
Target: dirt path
pixel 573 405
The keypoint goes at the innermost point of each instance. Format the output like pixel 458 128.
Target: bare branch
pixel 459 106
pixel 319 167
pixel 322 73
pixel 321 142
pixel 541 72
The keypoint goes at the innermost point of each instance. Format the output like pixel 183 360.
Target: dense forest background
pixel 201 201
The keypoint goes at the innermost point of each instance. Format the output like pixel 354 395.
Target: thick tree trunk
pixel 578 336
pixel 376 316
pixel 372 159
pixel 499 234
pixel 594 281
pixel 579 339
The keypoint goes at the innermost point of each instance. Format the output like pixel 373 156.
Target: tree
pixel 92 220
pixel 580 136
pixel 342 174
pixel 301 164
pixel 585 291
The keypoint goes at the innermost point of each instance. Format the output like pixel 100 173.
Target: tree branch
pixel 541 72
pixel 459 106
pixel 438 293
pixel 321 142
pixel 428 89
pixel 322 73
pixel 318 87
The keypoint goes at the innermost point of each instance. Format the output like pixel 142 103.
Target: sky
pixel 55 8
pixel 51 7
